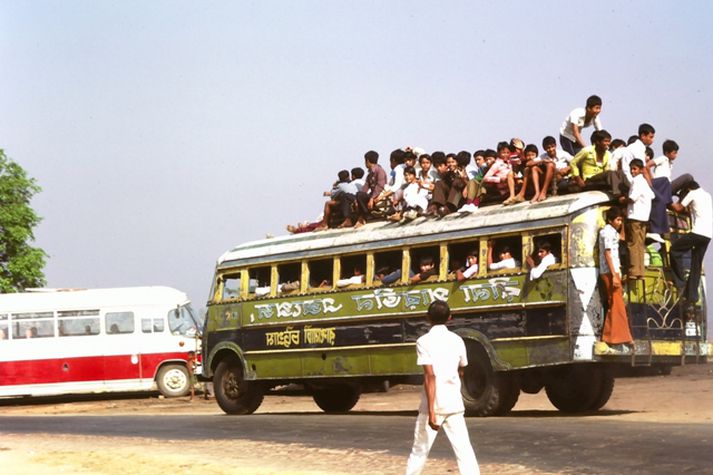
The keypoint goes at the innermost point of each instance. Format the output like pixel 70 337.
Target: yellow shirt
pixel 587 159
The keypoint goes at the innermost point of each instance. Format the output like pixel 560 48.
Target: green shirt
pixel 587 159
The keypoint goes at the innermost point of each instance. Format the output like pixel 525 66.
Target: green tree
pixel 20 263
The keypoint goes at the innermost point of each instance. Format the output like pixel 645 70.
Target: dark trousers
pixel 568 146
pixel 680 182
pixel 345 205
pixel 362 199
pixel 658 219
pixel 697 245
pixel 449 194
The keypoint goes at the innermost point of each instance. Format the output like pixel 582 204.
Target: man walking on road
pixel 442 355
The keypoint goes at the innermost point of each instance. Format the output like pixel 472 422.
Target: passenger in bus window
pixel 427 268
pixel 616 324
pixel 114 329
pixel 470 269
pixel 3 334
pixel 546 259
pixel 507 261
pixel 356 279
pixel 31 332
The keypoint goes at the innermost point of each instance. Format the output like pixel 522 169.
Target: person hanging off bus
pixel 470 269
pixel 191 367
pixel 637 213
pixel 442 354
pixel 507 261
pixel 616 324
pixel 545 259
pixel 697 203
pixel 580 118
pixel 660 170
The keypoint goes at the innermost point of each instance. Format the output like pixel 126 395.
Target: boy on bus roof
pixel 358 178
pixel 616 324
pixel 496 179
pixel 375 182
pixel 442 354
pixel 590 166
pixel 571 130
pixel 660 169
pixel 546 259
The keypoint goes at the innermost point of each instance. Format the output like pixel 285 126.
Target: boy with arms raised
pixel 442 354
pixel 660 170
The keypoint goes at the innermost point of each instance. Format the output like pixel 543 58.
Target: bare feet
pixel 291 229
pixel 347 223
pixel 359 224
pixel 321 227
pixel 394 217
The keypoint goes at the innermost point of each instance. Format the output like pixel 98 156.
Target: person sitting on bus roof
pixel 507 261
pixel 342 195
pixel 414 199
pixel 546 258
pixel 375 182
pixel 426 174
pixel 559 157
pixel 590 166
pixel 428 269
pixel 496 179
pixel 474 189
pixel 470 269
pixel 356 279
pixel 448 192
pixel 580 118
pixel 358 178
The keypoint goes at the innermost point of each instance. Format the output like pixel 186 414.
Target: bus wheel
pixel 605 391
pixel 233 393
pixel 336 399
pixel 485 392
pixel 576 388
pixel 173 380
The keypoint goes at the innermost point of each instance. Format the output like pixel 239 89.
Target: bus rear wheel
pixel 485 392
pixel 579 388
pixel 233 393
pixel 336 399
pixel 173 380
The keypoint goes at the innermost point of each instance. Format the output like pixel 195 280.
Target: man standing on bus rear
pixel 442 355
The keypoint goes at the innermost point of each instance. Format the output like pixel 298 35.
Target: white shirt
pixel 640 194
pixel 616 157
pixel 508 263
pixel 359 183
pixel 561 159
pixel 354 280
pixel 396 178
pixel 609 239
pixel 663 167
pixel 415 196
pixel 699 205
pixel 537 271
pixel 577 117
pixel 470 271
pixel 445 352
pixel 635 150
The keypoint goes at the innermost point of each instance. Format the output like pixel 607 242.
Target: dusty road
pixel 651 425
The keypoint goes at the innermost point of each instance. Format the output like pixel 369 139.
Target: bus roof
pixel 57 299
pixel 383 234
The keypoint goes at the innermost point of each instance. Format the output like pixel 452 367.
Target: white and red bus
pixel 99 340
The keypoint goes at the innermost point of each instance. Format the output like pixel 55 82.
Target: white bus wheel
pixel 173 380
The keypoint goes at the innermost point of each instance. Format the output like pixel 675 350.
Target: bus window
pixel 289 277
pixel 152 325
pixel 231 287
pixel 259 281
pixel 33 325
pixel 505 254
pixel 117 323
pixel 424 261
pixel 463 257
pixel 321 273
pixel 554 241
pixel 353 271
pixel 4 335
pixel 387 267
pixel 78 322
pixel 181 321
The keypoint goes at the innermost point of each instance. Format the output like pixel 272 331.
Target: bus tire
pixel 233 393
pixel 173 380
pixel 485 392
pixel 336 399
pixel 574 388
pixel 605 391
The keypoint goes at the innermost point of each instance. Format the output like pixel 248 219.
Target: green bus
pixel 279 312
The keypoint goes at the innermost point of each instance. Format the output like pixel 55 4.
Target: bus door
pixel 122 348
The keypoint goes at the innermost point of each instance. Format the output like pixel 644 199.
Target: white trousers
pixel 457 432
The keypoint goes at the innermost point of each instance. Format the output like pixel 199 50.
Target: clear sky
pixel 165 132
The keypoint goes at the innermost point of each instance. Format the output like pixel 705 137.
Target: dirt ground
pixel 686 396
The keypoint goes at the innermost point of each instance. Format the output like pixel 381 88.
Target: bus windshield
pixel 182 321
